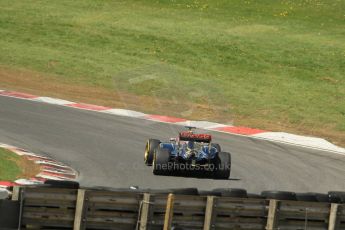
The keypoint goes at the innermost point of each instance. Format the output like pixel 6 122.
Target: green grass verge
pixel 280 61
pixel 9 169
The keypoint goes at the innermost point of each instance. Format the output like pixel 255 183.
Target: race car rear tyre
pixel 223 166
pixel 150 148
pixel 161 162
pixel 217 146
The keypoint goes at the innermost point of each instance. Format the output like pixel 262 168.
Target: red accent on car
pixel 188 136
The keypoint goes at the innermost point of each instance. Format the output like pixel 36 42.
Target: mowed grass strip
pixel 276 65
pixel 9 169
pixel 13 166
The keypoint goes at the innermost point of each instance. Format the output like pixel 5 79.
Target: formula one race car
pixel 188 152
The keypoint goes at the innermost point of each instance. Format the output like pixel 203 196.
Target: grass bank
pixel 276 65
pixel 13 166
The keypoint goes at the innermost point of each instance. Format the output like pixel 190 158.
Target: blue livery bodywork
pixel 190 151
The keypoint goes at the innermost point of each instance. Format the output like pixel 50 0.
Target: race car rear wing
pixel 188 136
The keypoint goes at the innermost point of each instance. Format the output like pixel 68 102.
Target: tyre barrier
pixel 185 191
pixel 209 193
pixel 9 214
pixel 330 197
pixel 232 192
pixel 279 195
pixel 255 196
pixel 62 184
pixel 336 197
pixel 51 207
pixel 313 197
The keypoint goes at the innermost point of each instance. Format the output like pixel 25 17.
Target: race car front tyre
pixel 223 166
pixel 150 148
pixel 161 162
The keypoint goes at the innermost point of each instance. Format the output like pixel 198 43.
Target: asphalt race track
pixel 107 150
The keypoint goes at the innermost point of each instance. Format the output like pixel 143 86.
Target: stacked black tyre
pixel 231 192
pixel 62 184
pixel 331 197
pixel 336 197
pixel 312 197
pixel 279 195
